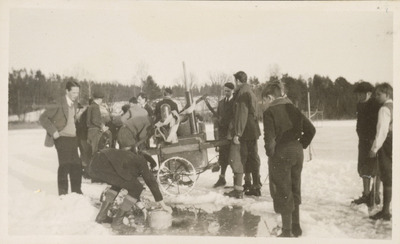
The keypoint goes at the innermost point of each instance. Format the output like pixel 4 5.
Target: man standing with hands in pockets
pixel 59 122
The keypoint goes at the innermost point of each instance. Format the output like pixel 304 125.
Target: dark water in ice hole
pixel 229 221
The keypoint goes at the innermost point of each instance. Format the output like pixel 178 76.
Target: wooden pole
pixel 189 102
pixel 309 116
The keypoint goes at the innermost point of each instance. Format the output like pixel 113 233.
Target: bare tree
pixel 141 73
pixel 274 71
pixel 218 79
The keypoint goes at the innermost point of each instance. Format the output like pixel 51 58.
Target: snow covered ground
pixel 329 183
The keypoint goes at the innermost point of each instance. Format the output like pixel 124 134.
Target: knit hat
pixel 125 108
pixel 98 94
pixel 229 85
pixel 125 137
pixel 363 87
pixel 168 90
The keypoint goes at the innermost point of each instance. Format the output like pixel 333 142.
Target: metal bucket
pixel 159 219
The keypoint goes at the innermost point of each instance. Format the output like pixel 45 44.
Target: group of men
pixel 286 133
pixel 236 121
pixel 118 167
pixel 375 133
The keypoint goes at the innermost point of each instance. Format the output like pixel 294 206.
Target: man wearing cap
pixel 165 104
pixel 135 111
pixel 367 117
pixel 59 122
pixel 224 117
pixel 121 168
pixel 94 122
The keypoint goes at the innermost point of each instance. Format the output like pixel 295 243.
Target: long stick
pixel 192 121
pixel 309 117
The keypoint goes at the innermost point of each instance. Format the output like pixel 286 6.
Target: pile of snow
pixel 330 181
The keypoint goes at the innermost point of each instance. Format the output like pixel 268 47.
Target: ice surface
pixel 329 183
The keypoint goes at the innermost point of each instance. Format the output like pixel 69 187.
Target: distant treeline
pixel 32 90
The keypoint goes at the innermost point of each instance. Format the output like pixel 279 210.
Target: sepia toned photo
pixel 177 121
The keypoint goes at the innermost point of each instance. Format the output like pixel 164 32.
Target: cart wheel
pixel 176 176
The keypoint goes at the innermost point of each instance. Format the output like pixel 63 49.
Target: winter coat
pixel 245 122
pixel 54 118
pixel 367 118
pixel 122 168
pixel 139 126
pixel 134 111
pixel 149 110
pixel 284 123
pixel 93 119
pixel 225 117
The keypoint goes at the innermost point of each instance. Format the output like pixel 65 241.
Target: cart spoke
pixel 169 185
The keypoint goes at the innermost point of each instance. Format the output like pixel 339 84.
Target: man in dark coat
pixel 367 117
pixel 59 122
pixel 143 101
pixel 121 168
pixel 224 118
pixel 94 122
pixel 247 132
pixel 286 133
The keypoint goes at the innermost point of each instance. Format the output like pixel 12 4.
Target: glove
pixel 165 207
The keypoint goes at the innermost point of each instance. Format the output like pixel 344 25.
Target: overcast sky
pixel 111 45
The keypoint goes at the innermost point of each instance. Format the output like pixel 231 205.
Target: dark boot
pixel 381 215
pixel 247 185
pixel 237 191
pixel 363 199
pixel 296 230
pixel 221 182
pixel 110 196
pixel 235 194
pixel 117 224
pixel 286 233
pixel 256 180
pixel 253 192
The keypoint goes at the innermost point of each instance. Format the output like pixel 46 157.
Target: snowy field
pixel 329 183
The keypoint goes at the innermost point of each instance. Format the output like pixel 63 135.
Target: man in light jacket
pixel 59 122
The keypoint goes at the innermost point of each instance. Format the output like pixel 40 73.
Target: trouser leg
pixel 254 161
pixel 366 185
pixel 236 164
pixel 76 178
pixel 387 198
pixel 62 179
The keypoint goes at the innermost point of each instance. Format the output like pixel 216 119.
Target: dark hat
pixel 363 87
pixel 125 137
pixel 98 94
pixel 125 108
pixel 229 85
pixel 168 90
pixel 133 100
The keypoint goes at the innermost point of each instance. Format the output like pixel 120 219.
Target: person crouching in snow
pixel 286 133
pixel 382 146
pixel 121 168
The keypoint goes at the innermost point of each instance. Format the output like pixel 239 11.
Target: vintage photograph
pixel 263 121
